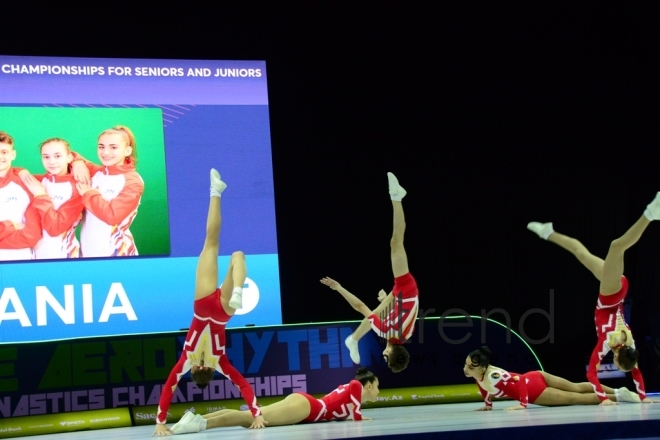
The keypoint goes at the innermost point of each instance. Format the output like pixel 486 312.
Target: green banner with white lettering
pixel 65 422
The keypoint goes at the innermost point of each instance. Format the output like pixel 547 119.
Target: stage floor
pixel 446 421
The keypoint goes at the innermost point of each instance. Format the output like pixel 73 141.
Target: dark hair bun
pixel 632 353
pixel 361 370
pixel 485 351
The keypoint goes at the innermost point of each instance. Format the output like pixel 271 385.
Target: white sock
pixel 397 193
pixel 652 211
pixel 217 185
pixel 353 350
pixel 543 230
pixel 236 300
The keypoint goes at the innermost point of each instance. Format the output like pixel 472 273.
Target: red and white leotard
pixel 18 205
pixel 59 221
pixel 609 325
pixel 110 210
pixel 335 406
pixel 525 388
pixel 398 323
pixel 206 341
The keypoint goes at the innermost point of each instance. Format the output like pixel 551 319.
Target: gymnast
pixel 295 408
pixel 394 319
pixel 537 387
pixel 611 328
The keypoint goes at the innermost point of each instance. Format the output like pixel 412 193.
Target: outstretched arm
pixel 226 368
pixel 639 384
pixel 523 396
pixel 592 372
pixel 181 368
pixel 486 396
pixel 355 393
pixel 353 300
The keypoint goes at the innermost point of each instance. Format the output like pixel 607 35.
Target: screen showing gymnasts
pixel 103 192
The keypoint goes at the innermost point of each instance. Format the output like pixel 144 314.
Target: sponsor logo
pixel 17 429
pixel 388 398
pixel 427 396
pixel 151 416
pixel 76 422
pixel 105 419
pixel 50 425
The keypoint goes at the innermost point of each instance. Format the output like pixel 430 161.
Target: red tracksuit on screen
pixel 18 205
pixel 60 219
pixel 110 210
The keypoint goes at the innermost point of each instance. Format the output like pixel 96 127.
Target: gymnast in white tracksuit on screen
pixel 112 196
pixel 59 219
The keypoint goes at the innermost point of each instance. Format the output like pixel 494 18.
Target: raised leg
pixel 613 265
pixel 590 261
pixel 206 278
pixel 397 251
pixel 231 293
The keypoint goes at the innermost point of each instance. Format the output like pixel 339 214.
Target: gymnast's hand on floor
pixel 485 408
pixel 258 423
pixel 647 400
pixel 607 402
pixel 334 285
pixel 162 430
pixel 513 408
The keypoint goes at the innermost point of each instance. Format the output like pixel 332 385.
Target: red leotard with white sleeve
pixel 525 388
pixel 206 341
pixel 609 325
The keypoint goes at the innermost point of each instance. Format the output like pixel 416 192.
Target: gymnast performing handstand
pixel 295 408
pixel 394 319
pixel 611 328
pixel 537 387
pixel 204 350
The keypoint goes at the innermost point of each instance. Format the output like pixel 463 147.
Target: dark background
pixel 491 115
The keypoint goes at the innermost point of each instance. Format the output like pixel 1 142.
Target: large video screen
pixel 103 268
